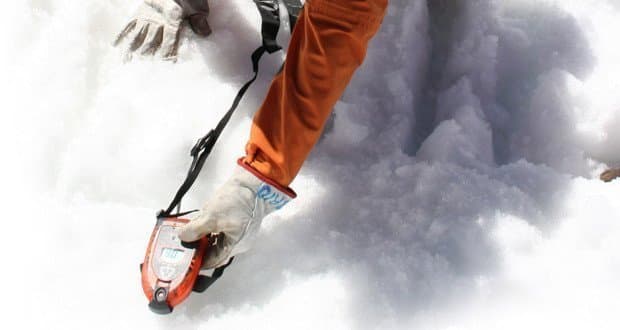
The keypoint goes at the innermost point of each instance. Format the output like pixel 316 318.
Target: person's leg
pixel 328 44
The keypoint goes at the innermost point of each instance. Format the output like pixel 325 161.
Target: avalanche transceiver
pixel 171 268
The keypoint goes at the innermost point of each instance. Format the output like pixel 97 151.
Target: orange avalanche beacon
pixel 171 268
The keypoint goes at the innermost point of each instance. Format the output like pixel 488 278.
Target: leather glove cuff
pixel 282 189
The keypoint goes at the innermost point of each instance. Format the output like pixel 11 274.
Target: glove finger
pixel 197 229
pixel 155 42
pixel 170 44
pixel 121 36
pixel 139 39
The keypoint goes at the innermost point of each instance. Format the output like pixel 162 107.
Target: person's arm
pixel 328 44
pixel 610 174
pixel 156 26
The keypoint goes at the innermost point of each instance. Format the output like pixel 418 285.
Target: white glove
pixel 234 214
pixel 157 25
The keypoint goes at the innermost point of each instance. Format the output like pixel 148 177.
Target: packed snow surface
pixel 454 188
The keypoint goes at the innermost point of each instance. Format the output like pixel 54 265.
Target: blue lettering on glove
pixel 272 196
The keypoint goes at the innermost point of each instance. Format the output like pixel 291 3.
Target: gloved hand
pixel 157 26
pixel 610 175
pixel 234 214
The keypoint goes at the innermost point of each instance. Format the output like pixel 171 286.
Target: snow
pixel 455 187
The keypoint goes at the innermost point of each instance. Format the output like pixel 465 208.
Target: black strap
pixel 270 15
pixel 293 7
pixel 180 214
pixel 205 144
pixel 203 282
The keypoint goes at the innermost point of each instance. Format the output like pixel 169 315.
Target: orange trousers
pixel 328 44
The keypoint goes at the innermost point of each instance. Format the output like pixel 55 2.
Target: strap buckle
pixel 201 144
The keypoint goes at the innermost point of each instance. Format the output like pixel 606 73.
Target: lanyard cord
pixel 270 15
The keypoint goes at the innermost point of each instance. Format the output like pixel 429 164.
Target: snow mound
pixel 455 187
